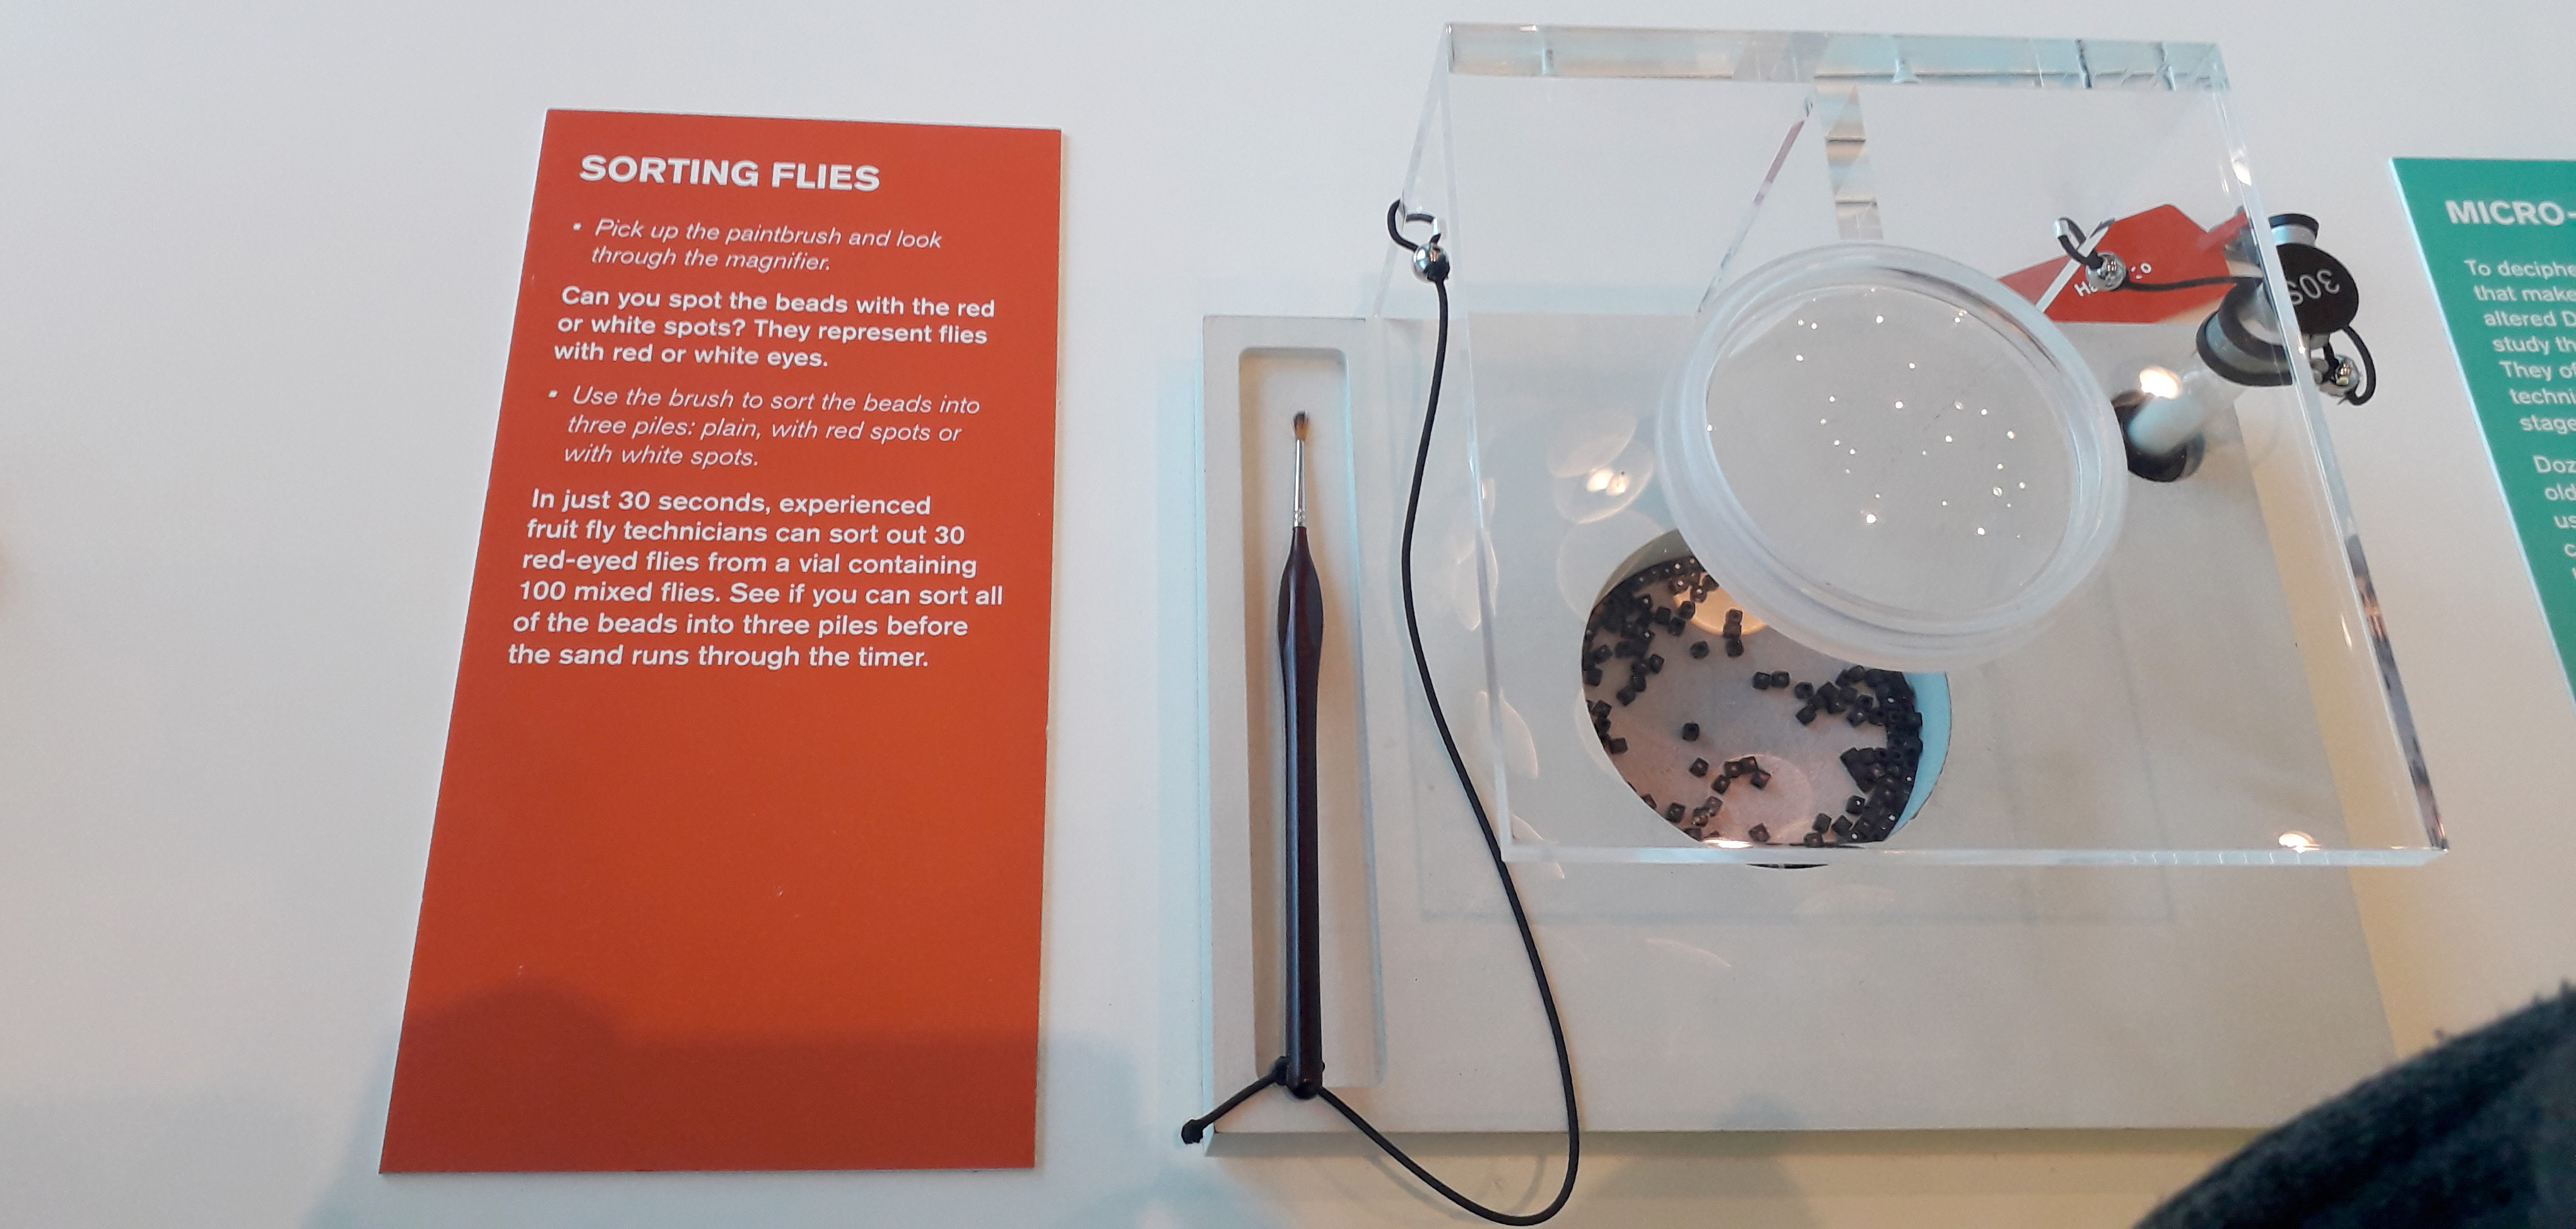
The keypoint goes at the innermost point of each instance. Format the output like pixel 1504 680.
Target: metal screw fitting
pixel 1431 264
pixel 2106 271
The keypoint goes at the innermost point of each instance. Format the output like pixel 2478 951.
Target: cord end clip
pixel 1430 260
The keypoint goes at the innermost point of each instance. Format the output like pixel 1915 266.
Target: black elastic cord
pixel 1396 217
pixel 1436 270
pixel 1484 825
pixel 2066 227
pixel 2369 369
pixel 2186 284
pixel 1196 1129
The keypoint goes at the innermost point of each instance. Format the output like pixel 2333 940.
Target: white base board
pixel 1695 997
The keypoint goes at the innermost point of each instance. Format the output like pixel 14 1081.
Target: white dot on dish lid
pixel 1981 531
pixel 1882 320
pixel 1870 517
pixel 1999 490
pixel 2009 435
pixel 1598 481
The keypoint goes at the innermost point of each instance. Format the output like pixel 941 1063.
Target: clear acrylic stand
pixel 2220 691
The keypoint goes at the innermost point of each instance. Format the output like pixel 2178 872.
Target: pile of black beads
pixel 1885 774
pixel 1621 640
pixel 1625 625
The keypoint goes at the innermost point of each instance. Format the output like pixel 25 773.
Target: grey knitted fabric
pixel 2479 1131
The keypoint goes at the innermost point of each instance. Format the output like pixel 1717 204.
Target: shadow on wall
pixel 1104 1165
pixel 531 1078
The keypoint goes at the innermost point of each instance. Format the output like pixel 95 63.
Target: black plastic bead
pixel 1759 835
pixel 1699 768
pixel 1690 731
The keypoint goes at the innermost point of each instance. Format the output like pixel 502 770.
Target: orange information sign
pixel 738 847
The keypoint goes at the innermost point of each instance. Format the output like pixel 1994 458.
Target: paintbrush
pixel 1301 651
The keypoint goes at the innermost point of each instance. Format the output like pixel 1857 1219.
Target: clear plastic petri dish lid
pixel 1891 457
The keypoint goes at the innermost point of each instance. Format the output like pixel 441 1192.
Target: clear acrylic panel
pixel 2218 690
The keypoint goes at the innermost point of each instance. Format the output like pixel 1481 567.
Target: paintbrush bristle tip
pixel 1300 424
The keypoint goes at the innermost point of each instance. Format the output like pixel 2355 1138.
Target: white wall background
pixel 257 267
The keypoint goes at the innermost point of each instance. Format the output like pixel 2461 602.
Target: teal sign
pixel 2500 240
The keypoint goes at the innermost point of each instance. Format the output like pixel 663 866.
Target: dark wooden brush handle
pixel 1301 652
